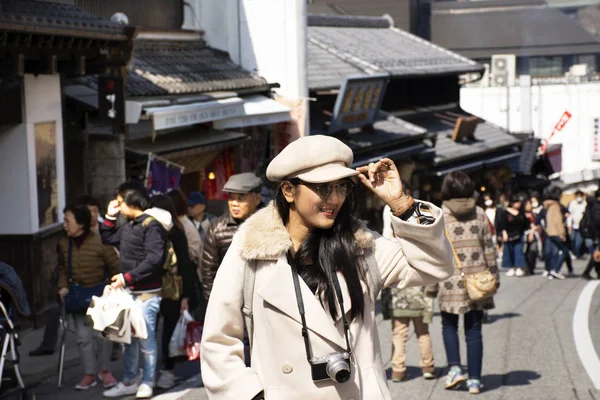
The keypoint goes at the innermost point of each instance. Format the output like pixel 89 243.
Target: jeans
pixel 149 347
pixel 553 254
pixel 512 254
pixel 576 242
pixel 94 350
pixel 589 244
pixel 474 341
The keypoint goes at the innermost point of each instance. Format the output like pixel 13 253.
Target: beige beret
pixel 314 159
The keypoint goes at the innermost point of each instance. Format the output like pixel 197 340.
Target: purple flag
pixel 162 177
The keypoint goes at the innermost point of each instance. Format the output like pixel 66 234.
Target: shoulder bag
pixel 480 285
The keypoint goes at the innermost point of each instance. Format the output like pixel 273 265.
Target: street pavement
pixel 529 351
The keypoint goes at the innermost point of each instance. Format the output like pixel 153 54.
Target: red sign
pixel 557 128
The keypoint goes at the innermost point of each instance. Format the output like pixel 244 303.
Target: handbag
pixel 480 285
pixel 79 297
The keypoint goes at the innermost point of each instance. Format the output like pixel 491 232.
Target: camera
pixel 335 366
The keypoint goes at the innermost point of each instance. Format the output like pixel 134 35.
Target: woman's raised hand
pixel 383 179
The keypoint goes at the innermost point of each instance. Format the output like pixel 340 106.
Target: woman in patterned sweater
pixel 470 234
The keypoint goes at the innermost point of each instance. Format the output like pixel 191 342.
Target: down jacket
pixel 421 256
pixel 90 261
pixel 216 243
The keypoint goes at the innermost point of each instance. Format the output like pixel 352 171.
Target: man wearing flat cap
pixel 244 191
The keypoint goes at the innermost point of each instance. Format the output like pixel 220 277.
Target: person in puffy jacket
pixel 90 263
pixel 244 199
pixel 142 250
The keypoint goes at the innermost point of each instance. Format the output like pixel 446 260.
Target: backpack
pixel 248 291
pixel 587 227
pixel 171 280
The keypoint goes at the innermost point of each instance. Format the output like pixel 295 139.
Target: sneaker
pixel 88 381
pixel 557 275
pixel 474 386
pixel 108 380
pixel 510 272
pixel 428 375
pixel 398 376
pixel 587 277
pixel 545 274
pixel 120 389
pixel 550 277
pixel 144 391
pixel 455 377
pixel 519 272
pixel 166 380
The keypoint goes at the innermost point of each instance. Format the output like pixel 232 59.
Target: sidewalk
pixel 40 374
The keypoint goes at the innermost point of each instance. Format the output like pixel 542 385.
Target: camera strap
pixel 300 302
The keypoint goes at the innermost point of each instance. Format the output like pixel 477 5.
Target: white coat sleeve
pixel 224 373
pixel 420 254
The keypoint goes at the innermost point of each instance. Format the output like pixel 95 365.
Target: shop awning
pixel 177 116
pixel 193 149
pixel 482 162
pixel 258 110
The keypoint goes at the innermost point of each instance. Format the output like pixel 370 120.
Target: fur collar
pixel 263 236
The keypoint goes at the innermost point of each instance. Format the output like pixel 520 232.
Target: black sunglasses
pixel 324 190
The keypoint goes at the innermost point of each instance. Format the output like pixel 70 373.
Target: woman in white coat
pixel 317 272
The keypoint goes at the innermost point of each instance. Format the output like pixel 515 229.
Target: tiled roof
pixel 488 137
pixel 45 17
pixel 481 29
pixel 339 44
pixel 398 9
pixel 176 67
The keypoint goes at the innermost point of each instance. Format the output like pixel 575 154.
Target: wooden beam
pixel 80 65
pixel 19 65
pixel 51 64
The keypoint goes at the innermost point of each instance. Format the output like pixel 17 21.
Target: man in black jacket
pixel 244 200
pixel 593 206
pixel 142 254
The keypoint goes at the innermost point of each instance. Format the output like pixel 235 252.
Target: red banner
pixel 217 174
pixel 557 128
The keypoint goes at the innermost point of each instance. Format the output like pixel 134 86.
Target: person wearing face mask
pixel 316 272
pixel 576 211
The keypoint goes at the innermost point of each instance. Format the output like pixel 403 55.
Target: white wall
pixel 18 205
pixel 263 36
pixel 14 179
pixel 548 102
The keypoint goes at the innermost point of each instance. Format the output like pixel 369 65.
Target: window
pixel 546 66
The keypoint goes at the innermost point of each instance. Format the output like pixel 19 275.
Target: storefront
pixel 43 43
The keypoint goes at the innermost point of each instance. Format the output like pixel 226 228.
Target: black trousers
pixel 169 310
pixel 592 265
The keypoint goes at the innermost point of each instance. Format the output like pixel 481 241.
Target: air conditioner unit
pixel 580 70
pixel 503 69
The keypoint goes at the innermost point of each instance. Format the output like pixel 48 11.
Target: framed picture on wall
pixel 45 161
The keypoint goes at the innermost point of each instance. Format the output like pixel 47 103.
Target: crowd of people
pixel 126 248
pixel 530 227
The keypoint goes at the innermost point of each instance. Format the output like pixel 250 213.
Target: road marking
pixel 581 333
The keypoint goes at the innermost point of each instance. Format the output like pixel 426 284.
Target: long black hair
pixel 164 202
pixel 330 250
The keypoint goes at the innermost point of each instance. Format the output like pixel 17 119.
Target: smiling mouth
pixel 327 211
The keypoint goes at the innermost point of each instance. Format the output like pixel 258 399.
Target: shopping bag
pixel 192 339
pixel 111 314
pixel 177 342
